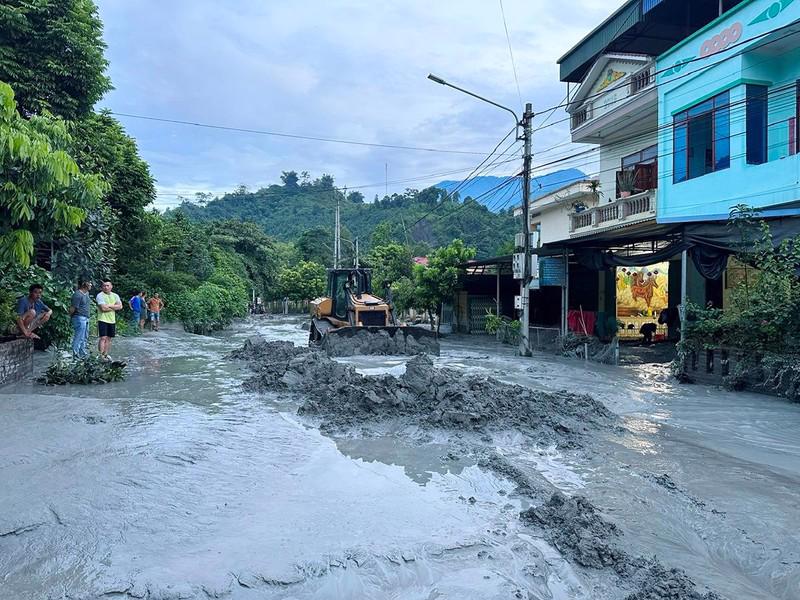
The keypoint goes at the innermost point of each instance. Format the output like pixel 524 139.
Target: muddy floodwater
pixel 180 483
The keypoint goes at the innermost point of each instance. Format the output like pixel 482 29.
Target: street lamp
pixel 441 81
pixel 525 122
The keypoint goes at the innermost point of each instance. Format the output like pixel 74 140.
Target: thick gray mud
pixel 431 397
pixel 179 483
pixel 447 400
pixel 402 342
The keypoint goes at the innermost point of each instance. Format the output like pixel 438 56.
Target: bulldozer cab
pixel 342 281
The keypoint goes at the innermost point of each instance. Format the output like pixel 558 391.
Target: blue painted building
pixel 728 116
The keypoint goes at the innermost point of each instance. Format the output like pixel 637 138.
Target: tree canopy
pixel 44 193
pixel 53 55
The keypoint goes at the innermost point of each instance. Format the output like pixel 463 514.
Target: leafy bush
pixel 763 319
pixel 93 369
pixel 506 330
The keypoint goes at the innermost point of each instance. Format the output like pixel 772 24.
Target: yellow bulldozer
pixel 351 309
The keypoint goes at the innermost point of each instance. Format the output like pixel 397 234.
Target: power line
pixel 659 129
pixel 294 135
pixel 682 76
pixel 511 52
pixel 468 177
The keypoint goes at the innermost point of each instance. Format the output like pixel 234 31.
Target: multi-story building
pixel 617 101
pixel 728 116
pixel 692 109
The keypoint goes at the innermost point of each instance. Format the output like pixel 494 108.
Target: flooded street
pixel 177 483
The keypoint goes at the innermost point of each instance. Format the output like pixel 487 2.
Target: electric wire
pixel 511 53
pixel 294 135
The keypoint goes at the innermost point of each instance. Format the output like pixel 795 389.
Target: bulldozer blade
pixel 393 339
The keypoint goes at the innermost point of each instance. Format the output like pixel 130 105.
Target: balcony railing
pixel 639 207
pixel 641 80
pixel 636 83
pixel 580 117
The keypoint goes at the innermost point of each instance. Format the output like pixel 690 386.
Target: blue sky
pixel 348 69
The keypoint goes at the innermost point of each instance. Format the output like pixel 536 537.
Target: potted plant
pixel 626 182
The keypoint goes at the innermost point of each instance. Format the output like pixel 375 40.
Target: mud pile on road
pixel 449 399
pixel 575 528
pixel 401 341
pixel 431 397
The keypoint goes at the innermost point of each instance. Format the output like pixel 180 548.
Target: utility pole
pixel 356 260
pixel 524 341
pixel 527 133
pixel 336 237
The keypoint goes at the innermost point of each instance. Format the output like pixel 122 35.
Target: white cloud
pixel 348 69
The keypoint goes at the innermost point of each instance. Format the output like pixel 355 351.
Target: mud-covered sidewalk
pixel 283 473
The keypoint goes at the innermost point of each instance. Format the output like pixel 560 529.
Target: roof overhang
pixel 648 27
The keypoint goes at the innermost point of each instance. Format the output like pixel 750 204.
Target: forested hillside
pixel 423 219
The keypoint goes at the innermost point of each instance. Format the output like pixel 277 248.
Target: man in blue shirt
pixel 137 306
pixel 32 312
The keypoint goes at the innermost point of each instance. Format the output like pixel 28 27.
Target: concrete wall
pixel 682 85
pixel 16 360
pixel 554 221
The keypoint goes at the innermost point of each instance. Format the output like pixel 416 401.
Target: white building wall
pixel 554 222
pixel 611 156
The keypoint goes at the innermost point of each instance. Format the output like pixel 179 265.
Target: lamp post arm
pixel 441 81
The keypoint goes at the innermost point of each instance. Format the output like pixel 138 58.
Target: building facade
pixel 728 116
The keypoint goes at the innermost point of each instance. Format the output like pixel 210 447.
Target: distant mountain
pixel 483 188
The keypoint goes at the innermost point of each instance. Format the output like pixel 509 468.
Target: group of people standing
pixel 145 309
pixel 32 313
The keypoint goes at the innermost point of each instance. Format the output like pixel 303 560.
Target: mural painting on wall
pixel 610 77
pixel 642 291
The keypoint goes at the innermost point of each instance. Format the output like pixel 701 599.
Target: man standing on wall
pixel 32 312
pixel 79 311
pixel 108 303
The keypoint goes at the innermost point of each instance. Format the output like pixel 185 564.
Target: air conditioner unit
pixel 534 266
pixel 519 239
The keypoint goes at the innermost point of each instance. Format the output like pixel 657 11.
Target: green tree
pixel 315 245
pixel 100 145
pixel 52 53
pixel 440 280
pixel 290 180
pixel 385 233
pixel 355 197
pixel 44 194
pixel 304 281
pixel 389 263
pixel 257 251
pixel 506 248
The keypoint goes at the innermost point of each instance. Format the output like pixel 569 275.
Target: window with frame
pixel 794 123
pixel 644 165
pixel 702 139
pixel 756 124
